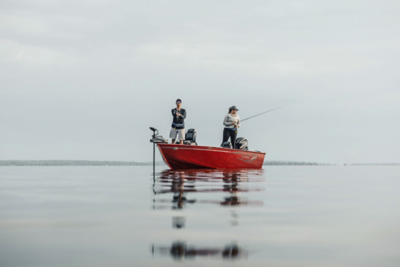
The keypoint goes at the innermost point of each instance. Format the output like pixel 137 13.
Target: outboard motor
pixel 241 143
pixel 227 144
pixel 190 137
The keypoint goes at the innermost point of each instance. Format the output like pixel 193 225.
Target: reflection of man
pixel 178 187
pixel 178 123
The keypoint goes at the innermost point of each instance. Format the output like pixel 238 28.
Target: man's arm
pixel 183 114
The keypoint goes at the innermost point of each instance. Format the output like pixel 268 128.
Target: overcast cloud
pixel 85 79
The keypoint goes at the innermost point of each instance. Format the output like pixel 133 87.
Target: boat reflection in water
pixel 204 187
pixel 179 250
pixel 181 183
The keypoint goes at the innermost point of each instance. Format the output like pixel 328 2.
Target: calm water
pixel 122 216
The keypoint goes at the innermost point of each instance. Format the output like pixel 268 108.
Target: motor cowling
pixel 241 143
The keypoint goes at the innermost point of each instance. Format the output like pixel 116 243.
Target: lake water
pixel 123 216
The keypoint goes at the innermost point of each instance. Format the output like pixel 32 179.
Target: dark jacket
pixel 178 121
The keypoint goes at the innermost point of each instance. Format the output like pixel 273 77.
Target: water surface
pixel 125 216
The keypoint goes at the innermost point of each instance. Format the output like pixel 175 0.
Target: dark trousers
pixel 229 133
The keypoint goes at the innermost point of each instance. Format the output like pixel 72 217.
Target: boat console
pixel 227 144
pixel 190 137
pixel 240 143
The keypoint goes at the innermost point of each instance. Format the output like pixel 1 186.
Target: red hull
pixel 206 157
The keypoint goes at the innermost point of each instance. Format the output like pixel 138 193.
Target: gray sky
pixel 85 79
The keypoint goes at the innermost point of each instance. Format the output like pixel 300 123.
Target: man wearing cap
pixel 231 123
pixel 178 123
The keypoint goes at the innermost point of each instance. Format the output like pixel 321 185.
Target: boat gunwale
pixel 207 148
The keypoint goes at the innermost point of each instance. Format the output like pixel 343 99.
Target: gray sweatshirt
pixel 229 118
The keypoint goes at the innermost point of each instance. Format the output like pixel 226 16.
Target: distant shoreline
pixel 294 163
pixel 127 163
pixel 373 164
pixel 73 163
pixel 159 163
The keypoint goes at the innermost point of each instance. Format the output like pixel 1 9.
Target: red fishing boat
pixel 191 156
pixel 208 157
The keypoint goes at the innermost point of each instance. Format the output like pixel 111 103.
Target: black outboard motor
pixel 227 144
pixel 190 137
pixel 241 143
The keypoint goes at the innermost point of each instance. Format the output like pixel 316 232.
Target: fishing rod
pixel 260 114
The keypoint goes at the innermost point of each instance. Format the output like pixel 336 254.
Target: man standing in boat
pixel 178 123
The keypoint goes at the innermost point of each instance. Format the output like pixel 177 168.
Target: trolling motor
pixel 156 139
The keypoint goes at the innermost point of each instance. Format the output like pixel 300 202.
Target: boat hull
pixel 206 157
